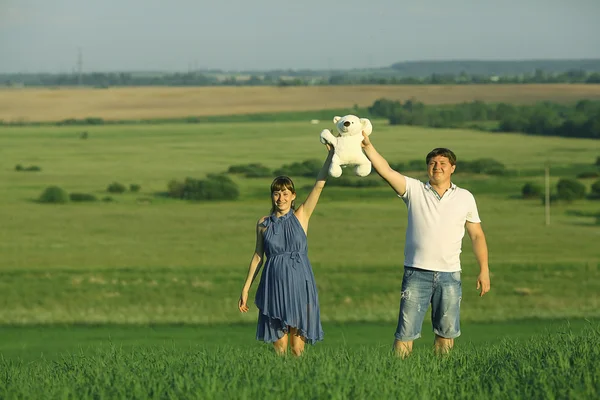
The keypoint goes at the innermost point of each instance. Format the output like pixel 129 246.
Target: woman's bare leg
pixel 281 345
pixel 297 342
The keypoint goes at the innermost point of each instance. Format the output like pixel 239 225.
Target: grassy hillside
pixel 143 258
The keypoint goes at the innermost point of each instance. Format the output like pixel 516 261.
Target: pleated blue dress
pixel 287 293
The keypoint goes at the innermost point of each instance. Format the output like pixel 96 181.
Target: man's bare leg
pixel 442 345
pixel 403 349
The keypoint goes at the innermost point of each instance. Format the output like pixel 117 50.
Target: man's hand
pixel 483 282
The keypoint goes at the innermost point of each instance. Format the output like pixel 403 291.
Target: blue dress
pixel 287 293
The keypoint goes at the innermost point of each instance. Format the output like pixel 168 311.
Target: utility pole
pixel 547 202
pixel 79 66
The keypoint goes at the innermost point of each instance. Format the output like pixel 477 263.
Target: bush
pixel 588 174
pixel 254 170
pixel 176 189
pixel 134 187
pixel 214 187
pixel 595 191
pixel 94 121
pixel 218 187
pixel 82 197
pixel 54 194
pixel 500 172
pixel 596 187
pixel 553 199
pixel 308 168
pixel 531 191
pixel 31 168
pixel 412 165
pixel 482 166
pixel 69 121
pixel 570 189
pixel 116 187
pixel 384 107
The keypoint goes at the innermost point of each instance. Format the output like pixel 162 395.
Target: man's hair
pixel 441 151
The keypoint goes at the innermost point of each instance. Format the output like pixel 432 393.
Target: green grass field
pixel 147 259
pixel 560 362
pixel 77 275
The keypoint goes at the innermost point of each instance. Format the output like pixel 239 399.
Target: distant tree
pixel 337 79
pixel 595 189
pixel 570 189
pixel 214 187
pixel 384 107
pixel 254 80
pixel 543 121
pixel 54 194
pixel 531 191
pixel 116 187
pixel 591 129
pixel 593 78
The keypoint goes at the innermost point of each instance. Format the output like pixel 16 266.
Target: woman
pixel 287 295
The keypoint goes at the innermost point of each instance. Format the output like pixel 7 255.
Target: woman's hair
pixel 441 151
pixel 281 183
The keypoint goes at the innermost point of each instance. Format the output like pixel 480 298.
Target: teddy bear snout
pixel 347 123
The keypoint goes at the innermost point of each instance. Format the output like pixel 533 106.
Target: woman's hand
pixel 242 303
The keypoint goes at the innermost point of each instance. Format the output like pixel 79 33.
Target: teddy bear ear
pixel 366 125
pixel 336 119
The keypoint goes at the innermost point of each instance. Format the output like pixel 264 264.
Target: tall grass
pixel 556 367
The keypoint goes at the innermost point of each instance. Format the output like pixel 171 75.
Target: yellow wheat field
pixel 55 104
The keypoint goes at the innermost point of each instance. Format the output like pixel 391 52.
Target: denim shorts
pixel 420 288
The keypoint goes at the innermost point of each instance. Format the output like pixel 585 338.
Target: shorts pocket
pixel 455 276
pixel 408 272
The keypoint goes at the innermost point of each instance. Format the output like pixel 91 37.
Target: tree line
pixel 581 120
pixel 290 78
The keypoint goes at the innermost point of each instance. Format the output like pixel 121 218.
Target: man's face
pixel 440 170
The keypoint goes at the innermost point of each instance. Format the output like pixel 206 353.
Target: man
pixel 438 212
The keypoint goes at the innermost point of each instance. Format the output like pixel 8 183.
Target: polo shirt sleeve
pixel 472 212
pixel 412 185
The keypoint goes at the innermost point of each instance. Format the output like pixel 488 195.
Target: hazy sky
pixel 174 35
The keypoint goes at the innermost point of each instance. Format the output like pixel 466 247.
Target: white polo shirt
pixel 436 226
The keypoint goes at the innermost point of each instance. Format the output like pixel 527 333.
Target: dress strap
pixel 275 222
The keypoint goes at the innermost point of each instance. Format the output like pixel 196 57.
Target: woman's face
pixel 282 200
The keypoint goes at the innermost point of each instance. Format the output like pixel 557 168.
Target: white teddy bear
pixel 347 146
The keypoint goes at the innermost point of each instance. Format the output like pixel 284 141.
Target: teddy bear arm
pixel 327 137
